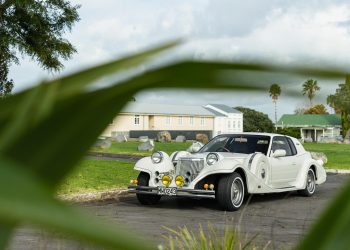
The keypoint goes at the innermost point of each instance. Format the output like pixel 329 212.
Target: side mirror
pixel 279 153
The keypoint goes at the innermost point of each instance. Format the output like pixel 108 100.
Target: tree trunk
pixel 345 123
pixel 345 115
pixel 275 102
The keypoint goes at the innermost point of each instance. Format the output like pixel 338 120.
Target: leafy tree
pixel 275 92
pixel 299 111
pixel 340 101
pixel 330 102
pixel 310 87
pixel 317 109
pixel 5 84
pixel 34 28
pixel 255 121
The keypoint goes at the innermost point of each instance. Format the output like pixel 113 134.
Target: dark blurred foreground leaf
pixel 332 230
pixel 32 202
pixel 46 130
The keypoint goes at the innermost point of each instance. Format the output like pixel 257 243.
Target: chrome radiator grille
pixel 189 168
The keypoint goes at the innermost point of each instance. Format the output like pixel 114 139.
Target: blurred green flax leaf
pixel 32 202
pixel 46 130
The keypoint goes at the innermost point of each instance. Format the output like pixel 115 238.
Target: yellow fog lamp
pixel 179 180
pixel 166 180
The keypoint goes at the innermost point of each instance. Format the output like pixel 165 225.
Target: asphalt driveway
pixel 280 218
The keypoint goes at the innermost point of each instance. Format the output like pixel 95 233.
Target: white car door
pixel 283 169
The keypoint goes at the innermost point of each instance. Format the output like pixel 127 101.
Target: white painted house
pixel 227 119
pixel 216 118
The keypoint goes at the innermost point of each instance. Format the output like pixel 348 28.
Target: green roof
pixel 309 121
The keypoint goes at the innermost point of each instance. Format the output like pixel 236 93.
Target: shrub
pixel 293 132
pixel 226 239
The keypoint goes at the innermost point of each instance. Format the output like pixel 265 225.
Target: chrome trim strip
pixel 181 192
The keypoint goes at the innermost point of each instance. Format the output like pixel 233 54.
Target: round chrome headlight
pixel 157 157
pixel 212 158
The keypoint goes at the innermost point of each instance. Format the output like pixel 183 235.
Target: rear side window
pixel 292 146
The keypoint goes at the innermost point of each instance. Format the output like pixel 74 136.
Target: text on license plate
pixel 167 191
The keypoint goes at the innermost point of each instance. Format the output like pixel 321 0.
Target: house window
pixel 168 120
pixel 239 124
pixel 179 120
pixel 191 120
pixel 137 119
pixel 234 124
pixel 202 121
pixel 229 124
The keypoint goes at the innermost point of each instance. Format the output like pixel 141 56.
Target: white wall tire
pixel 310 186
pixel 230 192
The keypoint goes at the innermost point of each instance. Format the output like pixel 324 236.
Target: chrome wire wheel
pixel 237 192
pixel 310 181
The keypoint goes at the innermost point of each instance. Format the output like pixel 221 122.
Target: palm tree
pixel 275 92
pixel 309 88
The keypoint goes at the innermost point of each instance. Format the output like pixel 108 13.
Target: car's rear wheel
pixel 230 192
pixel 310 187
pixel 146 199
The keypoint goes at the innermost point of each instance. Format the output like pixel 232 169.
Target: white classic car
pixel 228 168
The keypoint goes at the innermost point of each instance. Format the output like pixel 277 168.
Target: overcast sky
pixel 282 31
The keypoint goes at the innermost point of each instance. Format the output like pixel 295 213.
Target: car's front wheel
pixel 310 187
pixel 146 199
pixel 230 192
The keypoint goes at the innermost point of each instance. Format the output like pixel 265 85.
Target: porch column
pixel 315 135
pixel 301 133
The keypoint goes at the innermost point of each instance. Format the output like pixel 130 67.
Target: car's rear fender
pixel 320 173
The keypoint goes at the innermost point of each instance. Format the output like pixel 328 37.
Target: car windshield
pixel 244 144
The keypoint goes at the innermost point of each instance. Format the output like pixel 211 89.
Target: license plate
pixel 170 191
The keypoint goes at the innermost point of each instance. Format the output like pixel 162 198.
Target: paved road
pixel 280 218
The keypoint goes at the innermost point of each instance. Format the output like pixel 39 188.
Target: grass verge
pixel 338 154
pixel 98 175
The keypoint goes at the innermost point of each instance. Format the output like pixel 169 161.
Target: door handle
pixel 294 164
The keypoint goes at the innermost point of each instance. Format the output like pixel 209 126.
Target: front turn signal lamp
pixel 166 180
pixel 179 181
pixel 134 182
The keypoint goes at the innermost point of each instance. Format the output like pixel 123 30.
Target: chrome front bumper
pixel 180 192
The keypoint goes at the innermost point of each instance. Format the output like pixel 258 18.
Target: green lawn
pixel 130 147
pixel 338 154
pixel 96 175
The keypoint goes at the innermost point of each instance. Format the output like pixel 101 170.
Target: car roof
pixel 254 133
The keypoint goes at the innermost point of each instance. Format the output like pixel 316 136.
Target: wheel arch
pixel 215 177
pixel 243 174
pixel 313 167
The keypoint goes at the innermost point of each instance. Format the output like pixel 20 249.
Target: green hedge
pixel 294 132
